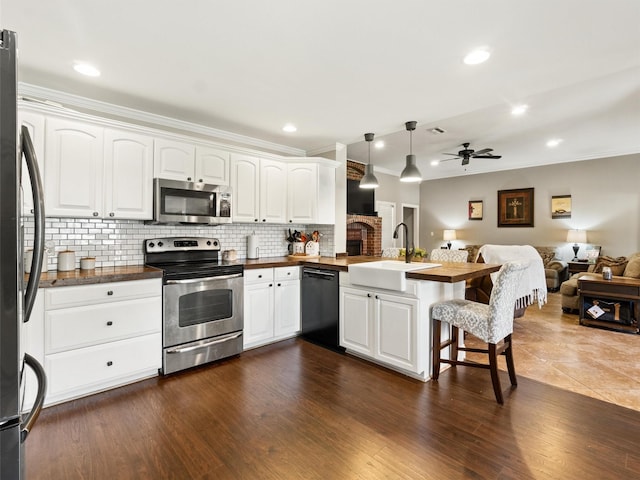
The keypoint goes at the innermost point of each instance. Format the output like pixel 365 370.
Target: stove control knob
pixel 209 242
pixel 215 243
pixel 151 244
pixel 160 244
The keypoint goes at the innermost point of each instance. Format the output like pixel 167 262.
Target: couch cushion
pixel 617 265
pixel 547 254
pixel 570 287
pixel 633 267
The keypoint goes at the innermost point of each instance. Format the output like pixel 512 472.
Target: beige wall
pixel 391 189
pixel 605 202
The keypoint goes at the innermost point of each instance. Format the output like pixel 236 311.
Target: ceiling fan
pixel 466 154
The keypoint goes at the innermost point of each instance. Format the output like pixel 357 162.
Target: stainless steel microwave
pixel 176 202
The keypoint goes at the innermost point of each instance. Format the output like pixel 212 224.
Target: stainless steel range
pixel 202 301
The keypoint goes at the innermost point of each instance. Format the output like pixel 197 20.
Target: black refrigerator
pixel 16 298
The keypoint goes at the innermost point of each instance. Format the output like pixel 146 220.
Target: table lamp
pixel 448 236
pixel 576 236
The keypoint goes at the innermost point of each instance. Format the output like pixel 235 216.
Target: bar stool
pixel 490 323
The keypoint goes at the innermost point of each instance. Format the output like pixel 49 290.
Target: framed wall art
pixel 515 208
pixel 475 210
pixel 561 206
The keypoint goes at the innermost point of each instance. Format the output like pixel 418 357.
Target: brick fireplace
pixel 364 235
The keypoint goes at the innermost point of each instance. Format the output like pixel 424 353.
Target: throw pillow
pixel 547 254
pixel 632 269
pixel 617 265
pixel 473 252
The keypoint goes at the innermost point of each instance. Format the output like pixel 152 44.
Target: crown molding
pixel 71 100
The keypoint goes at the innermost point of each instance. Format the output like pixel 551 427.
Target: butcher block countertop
pixel 448 272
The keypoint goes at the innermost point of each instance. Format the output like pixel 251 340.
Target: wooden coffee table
pixel 613 304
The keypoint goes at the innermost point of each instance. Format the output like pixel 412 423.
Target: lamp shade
pixel 369 180
pixel 449 235
pixel 577 236
pixel 411 172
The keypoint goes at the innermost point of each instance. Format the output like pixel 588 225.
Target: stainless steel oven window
pixel 205 306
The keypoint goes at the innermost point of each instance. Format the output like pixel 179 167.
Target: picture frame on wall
pixel 515 208
pixel 475 209
pixel 561 206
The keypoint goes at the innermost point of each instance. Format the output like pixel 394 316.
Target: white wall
pixel 605 196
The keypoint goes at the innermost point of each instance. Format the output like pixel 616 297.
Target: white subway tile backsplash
pixel 120 242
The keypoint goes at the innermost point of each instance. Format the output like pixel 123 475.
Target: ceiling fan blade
pixel 482 152
pixel 488 156
pixel 454 154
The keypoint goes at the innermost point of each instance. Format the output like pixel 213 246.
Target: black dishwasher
pixel 321 307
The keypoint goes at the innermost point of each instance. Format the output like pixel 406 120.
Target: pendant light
pixel 369 180
pixel 411 172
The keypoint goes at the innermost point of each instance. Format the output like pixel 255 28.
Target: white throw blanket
pixel 534 284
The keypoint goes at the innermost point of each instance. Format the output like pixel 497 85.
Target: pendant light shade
pixel 369 180
pixel 411 172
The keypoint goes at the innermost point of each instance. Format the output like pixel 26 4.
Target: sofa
pixel 620 267
pixel 555 270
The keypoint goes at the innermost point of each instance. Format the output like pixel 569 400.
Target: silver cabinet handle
pixel 205 279
pixel 204 345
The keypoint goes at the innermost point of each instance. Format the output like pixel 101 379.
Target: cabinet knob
pixel 369 295
pixel 259 276
pixel 109 363
pixel 188 179
pixel 95 214
pixel 110 292
pixel 290 221
pixel 377 297
pixel 200 180
pixel 271 284
pixel 32 210
pixel 255 219
pixel 109 323
pixel 111 214
pixel 264 219
pixel 279 285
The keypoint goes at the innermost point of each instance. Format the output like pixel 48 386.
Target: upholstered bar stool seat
pixel 492 323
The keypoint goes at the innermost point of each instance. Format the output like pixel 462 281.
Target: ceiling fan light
pixel 411 172
pixel 369 180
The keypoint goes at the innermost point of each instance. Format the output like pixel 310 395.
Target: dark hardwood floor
pixel 294 410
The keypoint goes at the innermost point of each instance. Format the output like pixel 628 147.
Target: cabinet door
pixel 32 342
pixel 73 169
pixel 396 320
pixel 258 313
pixel 302 188
pixel 35 125
pixel 286 308
pixel 245 178
pixel 212 166
pixel 128 175
pixel 273 191
pixel 356 321
pixel 174 160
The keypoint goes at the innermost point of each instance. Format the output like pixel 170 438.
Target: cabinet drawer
pixel 286 273
pixel 90 369
pixel 93 324
pixel 258 275
pixel 101 293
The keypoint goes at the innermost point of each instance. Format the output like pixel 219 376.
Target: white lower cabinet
pixel 101 336
pixel 271 305
pixel 381 326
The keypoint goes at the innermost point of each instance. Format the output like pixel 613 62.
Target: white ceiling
pixel 338 69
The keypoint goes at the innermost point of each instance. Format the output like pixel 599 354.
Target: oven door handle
pixel 204 345
pixel 205 279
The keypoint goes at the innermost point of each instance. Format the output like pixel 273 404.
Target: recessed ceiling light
pixel 519 110
pixel 290 128
pixel 379 144
pixel 86 69
pixel 435 163
pixel 554 142
pixel 477 56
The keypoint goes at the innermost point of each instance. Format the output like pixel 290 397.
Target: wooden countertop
pixel 98 275
pixel 448 272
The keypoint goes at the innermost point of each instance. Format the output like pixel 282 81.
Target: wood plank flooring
pixel 294 410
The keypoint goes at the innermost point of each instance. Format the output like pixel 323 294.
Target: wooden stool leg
pixel 493 367
pixel 436 349
pixel 455 333
pixel 508 353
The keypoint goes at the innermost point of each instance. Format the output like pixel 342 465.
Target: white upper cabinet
pixel 35 124
pixel 174 160
pixel 73 168
pixel 245 184
pixel 273 191
pixel 302 187
pixel 212 166
pixel 128 175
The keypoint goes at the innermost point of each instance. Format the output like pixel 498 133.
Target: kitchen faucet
pixel 407 253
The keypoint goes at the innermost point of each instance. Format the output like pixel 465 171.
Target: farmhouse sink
pixel 388 274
